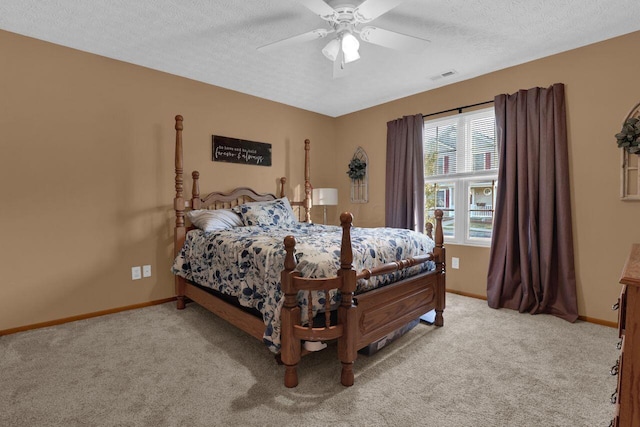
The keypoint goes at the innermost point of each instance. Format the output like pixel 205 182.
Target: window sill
pixel 486 245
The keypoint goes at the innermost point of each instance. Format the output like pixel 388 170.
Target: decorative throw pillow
pixel 273 212
pixel 287 205
pixel 213 220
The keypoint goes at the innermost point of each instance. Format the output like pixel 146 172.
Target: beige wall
pixel 87 169
pixel 601 87
pixel 87 173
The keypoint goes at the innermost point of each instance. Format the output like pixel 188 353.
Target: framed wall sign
pixel 233 150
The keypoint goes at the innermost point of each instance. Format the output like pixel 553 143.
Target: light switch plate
pixel 136 274
pixel 146 271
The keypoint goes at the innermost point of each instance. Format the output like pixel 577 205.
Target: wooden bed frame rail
pixel 362 318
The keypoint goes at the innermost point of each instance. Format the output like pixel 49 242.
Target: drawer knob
pixel 615 368
pixel 615 306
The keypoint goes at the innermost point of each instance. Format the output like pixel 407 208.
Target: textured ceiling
pixel 215 41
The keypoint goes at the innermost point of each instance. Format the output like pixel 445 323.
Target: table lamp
pixel 325 197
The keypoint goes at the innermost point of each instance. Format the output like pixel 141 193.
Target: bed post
pixel 290 316
pixel 346 311
pixel 195 190
pixel 440 254
pixel 283 181
pixel 307 182
pixel 178 206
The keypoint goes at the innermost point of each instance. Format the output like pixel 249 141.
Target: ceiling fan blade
pixel 371 9
pixel 300 38
pixel 321 8
pixel 393 40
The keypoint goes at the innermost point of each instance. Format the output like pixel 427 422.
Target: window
pixel 461 172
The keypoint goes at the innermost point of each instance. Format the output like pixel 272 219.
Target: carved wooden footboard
pixel 364 318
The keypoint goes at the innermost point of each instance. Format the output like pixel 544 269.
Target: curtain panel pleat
pixel 404 181
pixel 531 267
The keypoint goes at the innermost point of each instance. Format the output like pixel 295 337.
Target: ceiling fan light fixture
pixel 331 50
pixel 344 23
pixel 350 46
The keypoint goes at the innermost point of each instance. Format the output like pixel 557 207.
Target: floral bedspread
pixel 247 261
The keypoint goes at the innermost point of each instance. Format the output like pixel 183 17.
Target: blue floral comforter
pixel 246 262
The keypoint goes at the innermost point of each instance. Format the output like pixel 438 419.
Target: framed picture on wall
pixel 233 150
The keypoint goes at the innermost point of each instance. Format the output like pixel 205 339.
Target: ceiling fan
pixel 344 21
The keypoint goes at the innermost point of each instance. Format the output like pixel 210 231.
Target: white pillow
pixel 214 220
pixel 287 204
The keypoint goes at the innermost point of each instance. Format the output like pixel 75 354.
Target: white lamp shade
pixel 325 196
pixel 331 49
pixel 350 46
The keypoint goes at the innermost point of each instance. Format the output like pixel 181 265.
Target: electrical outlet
pixel 136 273
pixel 146 271
pixel 455 262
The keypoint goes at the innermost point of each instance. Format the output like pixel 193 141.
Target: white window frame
pixel 462 181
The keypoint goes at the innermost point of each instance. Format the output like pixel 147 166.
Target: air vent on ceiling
pixel 445 74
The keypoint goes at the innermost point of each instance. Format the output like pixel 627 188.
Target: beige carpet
pixel 161 367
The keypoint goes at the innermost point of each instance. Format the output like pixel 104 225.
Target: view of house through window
pixel 461 171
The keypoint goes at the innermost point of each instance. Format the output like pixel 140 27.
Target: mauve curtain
pixel 531 268
pixel 404 183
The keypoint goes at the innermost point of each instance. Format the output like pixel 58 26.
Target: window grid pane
pixel 483 152
pixel 440 150
pixel 441 196
pixel 481 209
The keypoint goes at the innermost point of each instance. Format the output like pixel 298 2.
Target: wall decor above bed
pixel 233 150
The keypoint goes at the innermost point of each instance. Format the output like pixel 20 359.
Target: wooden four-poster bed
pixel 394 285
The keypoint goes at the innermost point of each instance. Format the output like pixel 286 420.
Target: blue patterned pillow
pixel 273 212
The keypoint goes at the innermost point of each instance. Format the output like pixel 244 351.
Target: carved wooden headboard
pixel 220 200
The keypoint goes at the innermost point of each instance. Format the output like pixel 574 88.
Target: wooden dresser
pixel 627 396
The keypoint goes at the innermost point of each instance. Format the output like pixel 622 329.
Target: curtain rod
pixel 459 109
